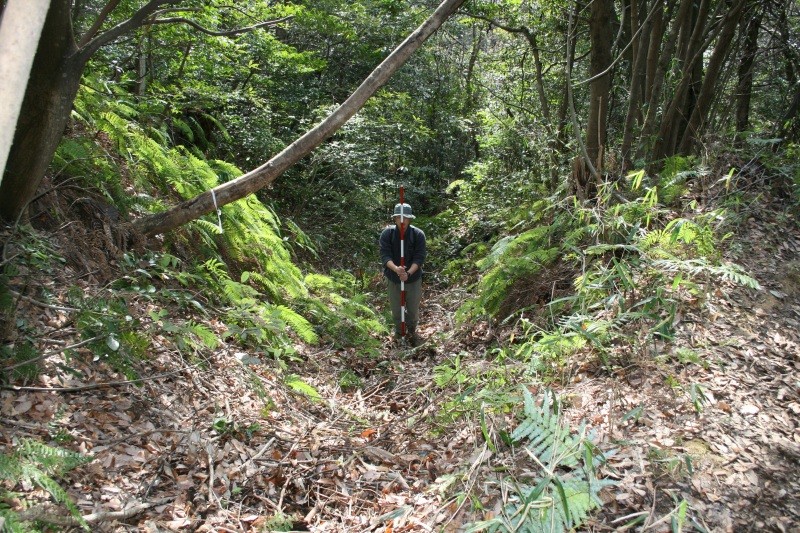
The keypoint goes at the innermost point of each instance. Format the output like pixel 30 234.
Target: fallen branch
pixel 52 514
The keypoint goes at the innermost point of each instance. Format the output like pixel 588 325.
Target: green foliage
pixel 547 352
pixel 566 487
pixel 19 354
pixel 349 380
pixel 33 462
pixel 477 390
pixel 249 231
pixel 640 264
pixel 511 259
pixel 112 332
pixel 450 373
pixel 346 318
pixel 298 385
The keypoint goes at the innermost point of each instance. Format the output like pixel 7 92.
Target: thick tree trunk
pixel 53 83
pixel 267 173
pixel 55 77
pixel 601 37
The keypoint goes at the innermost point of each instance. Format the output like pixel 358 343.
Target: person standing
pixel 411 273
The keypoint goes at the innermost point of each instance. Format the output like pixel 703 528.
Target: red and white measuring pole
pixel 402 264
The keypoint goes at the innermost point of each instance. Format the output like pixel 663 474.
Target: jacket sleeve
pixel 386 246
pixel 420 251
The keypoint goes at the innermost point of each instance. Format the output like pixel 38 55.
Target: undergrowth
pixel 34 463
pixel 563 484
pixel 638 265
pixel 230 279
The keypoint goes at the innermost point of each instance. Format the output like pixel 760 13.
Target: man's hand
pixel 402 273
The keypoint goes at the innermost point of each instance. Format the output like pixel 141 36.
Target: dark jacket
pixel 414 247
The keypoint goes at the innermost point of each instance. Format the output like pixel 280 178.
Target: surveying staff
pixel 411 273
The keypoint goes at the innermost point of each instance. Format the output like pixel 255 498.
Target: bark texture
pixel 601 36
pixel 46 106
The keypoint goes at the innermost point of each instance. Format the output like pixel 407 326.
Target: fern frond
pixel 300 325
pixel 567 490
pixel 36 463
pixel 206 336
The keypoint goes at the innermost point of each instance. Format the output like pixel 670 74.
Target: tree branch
pixel 101 18
pixel 136 21
pixel 55 515
pixel 533 43
pixel 262 176
pixel 228 33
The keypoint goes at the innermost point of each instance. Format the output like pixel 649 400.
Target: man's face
pixel 397 220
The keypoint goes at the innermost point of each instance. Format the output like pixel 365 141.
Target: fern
pixel 548 440
pixel 566 491
pixel 697 267
pixel 299 324
pixel 36 463
pixel 206 336
pixel 298 385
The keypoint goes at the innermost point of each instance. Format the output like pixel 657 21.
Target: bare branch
pixel 101 18
pixel 227 33
pixel 137 20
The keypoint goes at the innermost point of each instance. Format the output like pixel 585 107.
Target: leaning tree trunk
pixel 267 173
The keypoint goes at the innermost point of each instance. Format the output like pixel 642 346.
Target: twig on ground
pixel 51 353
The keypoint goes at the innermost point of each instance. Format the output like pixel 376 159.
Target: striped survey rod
pixel 402 263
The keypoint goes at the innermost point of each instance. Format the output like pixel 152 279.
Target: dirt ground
pixel 225 445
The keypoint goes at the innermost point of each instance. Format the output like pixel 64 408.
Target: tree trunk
pixel 654 47
pixel 46 106
pixel 264 175
pixel 55 78
pixel 744 86
pixel 470 101
pixel 690 52
pixel 694 129
pixel 657 75
pixel 637 73
pixel 564 106
pixel 601 37
pixel 787 126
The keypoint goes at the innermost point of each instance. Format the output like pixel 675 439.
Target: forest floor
pixel 223 444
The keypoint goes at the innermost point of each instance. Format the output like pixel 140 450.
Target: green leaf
pixel 298 385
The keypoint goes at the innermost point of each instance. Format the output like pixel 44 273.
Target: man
pixel 410 272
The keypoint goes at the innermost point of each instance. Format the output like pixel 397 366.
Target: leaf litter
pixel 223 444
